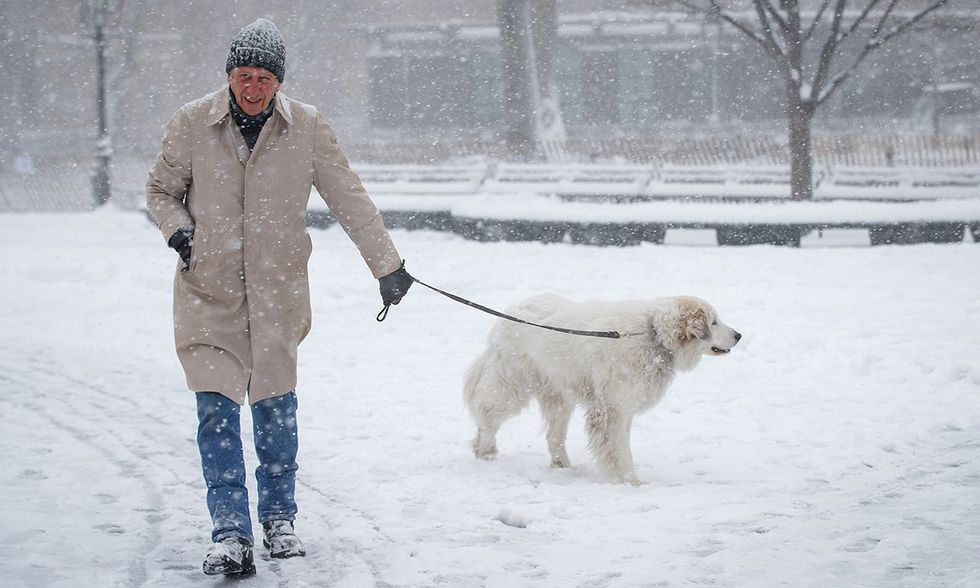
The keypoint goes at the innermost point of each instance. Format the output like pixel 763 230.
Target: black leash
pixel 605 334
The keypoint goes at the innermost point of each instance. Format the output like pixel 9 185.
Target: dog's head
pixel 691 327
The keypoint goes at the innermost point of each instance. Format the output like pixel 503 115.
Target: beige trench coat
pixel 243 307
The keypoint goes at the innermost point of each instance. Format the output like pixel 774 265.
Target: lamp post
pixel 101 186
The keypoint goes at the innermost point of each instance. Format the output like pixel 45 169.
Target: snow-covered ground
pixel 838 445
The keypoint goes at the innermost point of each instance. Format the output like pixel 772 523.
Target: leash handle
pixel 497 313
pixel 383 314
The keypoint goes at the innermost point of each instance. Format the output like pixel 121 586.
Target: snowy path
pixel 838 445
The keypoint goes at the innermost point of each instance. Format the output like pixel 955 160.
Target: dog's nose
pixel 738 336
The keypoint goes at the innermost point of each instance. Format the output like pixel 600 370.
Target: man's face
pixel 253 88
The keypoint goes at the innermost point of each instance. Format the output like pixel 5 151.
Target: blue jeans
pixel 220 440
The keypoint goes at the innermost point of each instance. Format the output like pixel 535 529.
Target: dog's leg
pixel 493 396
pixel 485 443
pixel 557 412
pixel 609 440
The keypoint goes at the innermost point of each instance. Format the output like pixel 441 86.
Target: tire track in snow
pixel 137 568
pixel 374 554
pixel 145 440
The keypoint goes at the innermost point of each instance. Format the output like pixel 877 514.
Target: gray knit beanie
pixel 259 44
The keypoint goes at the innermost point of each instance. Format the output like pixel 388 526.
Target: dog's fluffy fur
pixel 613 379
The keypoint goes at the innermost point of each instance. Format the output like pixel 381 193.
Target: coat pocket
pixel 200 242
pixel 195 276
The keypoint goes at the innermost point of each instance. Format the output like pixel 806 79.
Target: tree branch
pixel 881 21
pixel 911 22
pixel 715 11
pixel 829 49
pixel 771 45
pixel 816 20
pixel 884 18
pixel 874 43
pixel 771 9
pixel 861 18
pixel 792 35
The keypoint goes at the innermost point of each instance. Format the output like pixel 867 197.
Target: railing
pixel 491 200
pixel 696 149
pixel 422 179
pixel 741 204
pixel 630 182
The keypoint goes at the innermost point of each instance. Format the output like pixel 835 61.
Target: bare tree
pixel 528 34
pixel 816 52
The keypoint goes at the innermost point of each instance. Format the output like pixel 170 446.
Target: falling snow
pixel 836 445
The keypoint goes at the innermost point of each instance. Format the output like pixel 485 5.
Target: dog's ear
pixel 694 322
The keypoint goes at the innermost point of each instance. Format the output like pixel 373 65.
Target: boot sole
pixel 282 554
pixel 246 572
pixel 247 569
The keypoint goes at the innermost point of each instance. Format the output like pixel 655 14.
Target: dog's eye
pixel 715 323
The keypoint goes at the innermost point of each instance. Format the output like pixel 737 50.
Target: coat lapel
pixel 277 124
pixel 219 113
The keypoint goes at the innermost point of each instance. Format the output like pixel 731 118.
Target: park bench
pixel 733 222
pixel 887 183
pixel 736 204
pixel 422 179
pixel 741 204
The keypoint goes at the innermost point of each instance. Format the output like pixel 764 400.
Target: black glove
pixel 395 285
pixel 182 241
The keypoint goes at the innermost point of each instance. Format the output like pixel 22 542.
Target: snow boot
pixel 281 540
pixel 231 556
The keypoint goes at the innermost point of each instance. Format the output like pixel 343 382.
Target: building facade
pixel 381 69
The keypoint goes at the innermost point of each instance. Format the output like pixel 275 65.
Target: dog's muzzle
pixel 722 350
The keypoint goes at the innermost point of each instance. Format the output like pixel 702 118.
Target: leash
pixel 604 334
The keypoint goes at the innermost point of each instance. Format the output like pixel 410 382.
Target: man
pixel 229 193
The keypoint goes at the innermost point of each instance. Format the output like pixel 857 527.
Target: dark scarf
pixel 250 126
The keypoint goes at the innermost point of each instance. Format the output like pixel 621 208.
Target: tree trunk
pixel 800 117
pixel 528 34
pixel 543 15
pixel 519 131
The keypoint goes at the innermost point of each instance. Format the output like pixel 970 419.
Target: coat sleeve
pixel 170 178
pixel 350 204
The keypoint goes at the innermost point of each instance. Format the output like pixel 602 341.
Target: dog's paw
pixel 485 453
pixel 484 446
pixel 560 463
pixel 632 479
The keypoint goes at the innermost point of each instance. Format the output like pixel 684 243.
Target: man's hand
pixel 182 241
pixel 395 285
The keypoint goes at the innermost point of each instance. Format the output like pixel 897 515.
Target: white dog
pixel 613 379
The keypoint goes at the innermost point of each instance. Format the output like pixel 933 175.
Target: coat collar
pixel 221 109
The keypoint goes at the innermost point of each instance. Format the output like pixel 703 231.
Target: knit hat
pixel 259 44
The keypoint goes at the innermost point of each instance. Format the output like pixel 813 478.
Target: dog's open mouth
pixel 719 350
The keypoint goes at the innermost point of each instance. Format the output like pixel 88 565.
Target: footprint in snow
pixel 862 546
pixel 110 529
pixel 106 498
